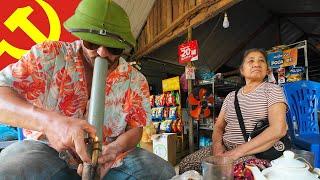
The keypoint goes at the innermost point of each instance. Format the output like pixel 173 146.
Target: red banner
pixel 28 22
pixel 188 51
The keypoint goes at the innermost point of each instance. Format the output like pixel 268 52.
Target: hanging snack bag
pixel 162 99
pixel 157 100
pixel 163 125
pixel 173 113
pixel 159 113
pixel 168 126
pixel 153 114
pixel 177 97
pixel 151 98
pixel 170 101
pixel 281 76
pixel 295 74
pixel 174 126
pixel 290 57
pixel 166 111
pixel 179 125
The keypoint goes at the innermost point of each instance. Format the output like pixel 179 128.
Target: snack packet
pixel 295 74
pixel 281 76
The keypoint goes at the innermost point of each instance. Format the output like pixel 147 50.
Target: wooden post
pixel 190 120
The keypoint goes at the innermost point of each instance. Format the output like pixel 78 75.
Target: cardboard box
pixel 179 143
pixel 164 145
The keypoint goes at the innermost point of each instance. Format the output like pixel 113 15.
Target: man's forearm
pixel 15 111
pixel 129 139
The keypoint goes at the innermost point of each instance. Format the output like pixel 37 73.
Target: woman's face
pixel 254 66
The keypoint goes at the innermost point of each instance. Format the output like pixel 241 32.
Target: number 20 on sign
pixel 188 52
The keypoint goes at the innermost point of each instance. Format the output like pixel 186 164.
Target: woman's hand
pixel 234 154
pixel 68 133
pixel 218 149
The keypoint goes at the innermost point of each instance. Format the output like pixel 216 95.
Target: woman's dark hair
pixel 247 52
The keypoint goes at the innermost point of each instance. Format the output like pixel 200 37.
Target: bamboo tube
pixel 96 116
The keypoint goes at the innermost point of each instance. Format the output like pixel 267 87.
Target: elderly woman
pixel 257 100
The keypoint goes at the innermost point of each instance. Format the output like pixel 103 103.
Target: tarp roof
pixel 253 23
pixel 137 11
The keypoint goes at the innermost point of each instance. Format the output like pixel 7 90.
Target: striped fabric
pixel 254 107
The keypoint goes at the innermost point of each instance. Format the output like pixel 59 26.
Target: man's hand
pixel 68 133
pixel 108 156
pixel 106 159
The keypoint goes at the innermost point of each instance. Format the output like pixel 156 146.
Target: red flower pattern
pixel 55 70
pixel 136 114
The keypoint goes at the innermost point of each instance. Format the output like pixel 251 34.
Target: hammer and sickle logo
pixel 20 19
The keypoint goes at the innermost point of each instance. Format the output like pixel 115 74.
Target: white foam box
pixel 164 145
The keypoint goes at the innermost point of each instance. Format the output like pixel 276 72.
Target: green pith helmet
pixel 102 22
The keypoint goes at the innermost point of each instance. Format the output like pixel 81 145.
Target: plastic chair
pixel 302 117
pixel 9 137
pixel 20 134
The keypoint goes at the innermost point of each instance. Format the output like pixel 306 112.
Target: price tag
pixel 188 52
pixel 190 72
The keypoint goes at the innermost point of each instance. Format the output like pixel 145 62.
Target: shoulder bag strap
pixel 239 115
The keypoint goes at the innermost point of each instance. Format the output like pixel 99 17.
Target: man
pixel 47 93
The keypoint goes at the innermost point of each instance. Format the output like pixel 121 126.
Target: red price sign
pixel 188 52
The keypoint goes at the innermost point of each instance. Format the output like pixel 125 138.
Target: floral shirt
pixel 52 76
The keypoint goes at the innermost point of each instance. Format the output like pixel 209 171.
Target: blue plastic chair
pixel 20 134
pixel 302 117
pixel 9 135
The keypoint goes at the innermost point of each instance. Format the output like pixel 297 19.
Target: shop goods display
pixel 287 64
pixel 165 114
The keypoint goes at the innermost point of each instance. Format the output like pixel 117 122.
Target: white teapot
pixel 285 167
